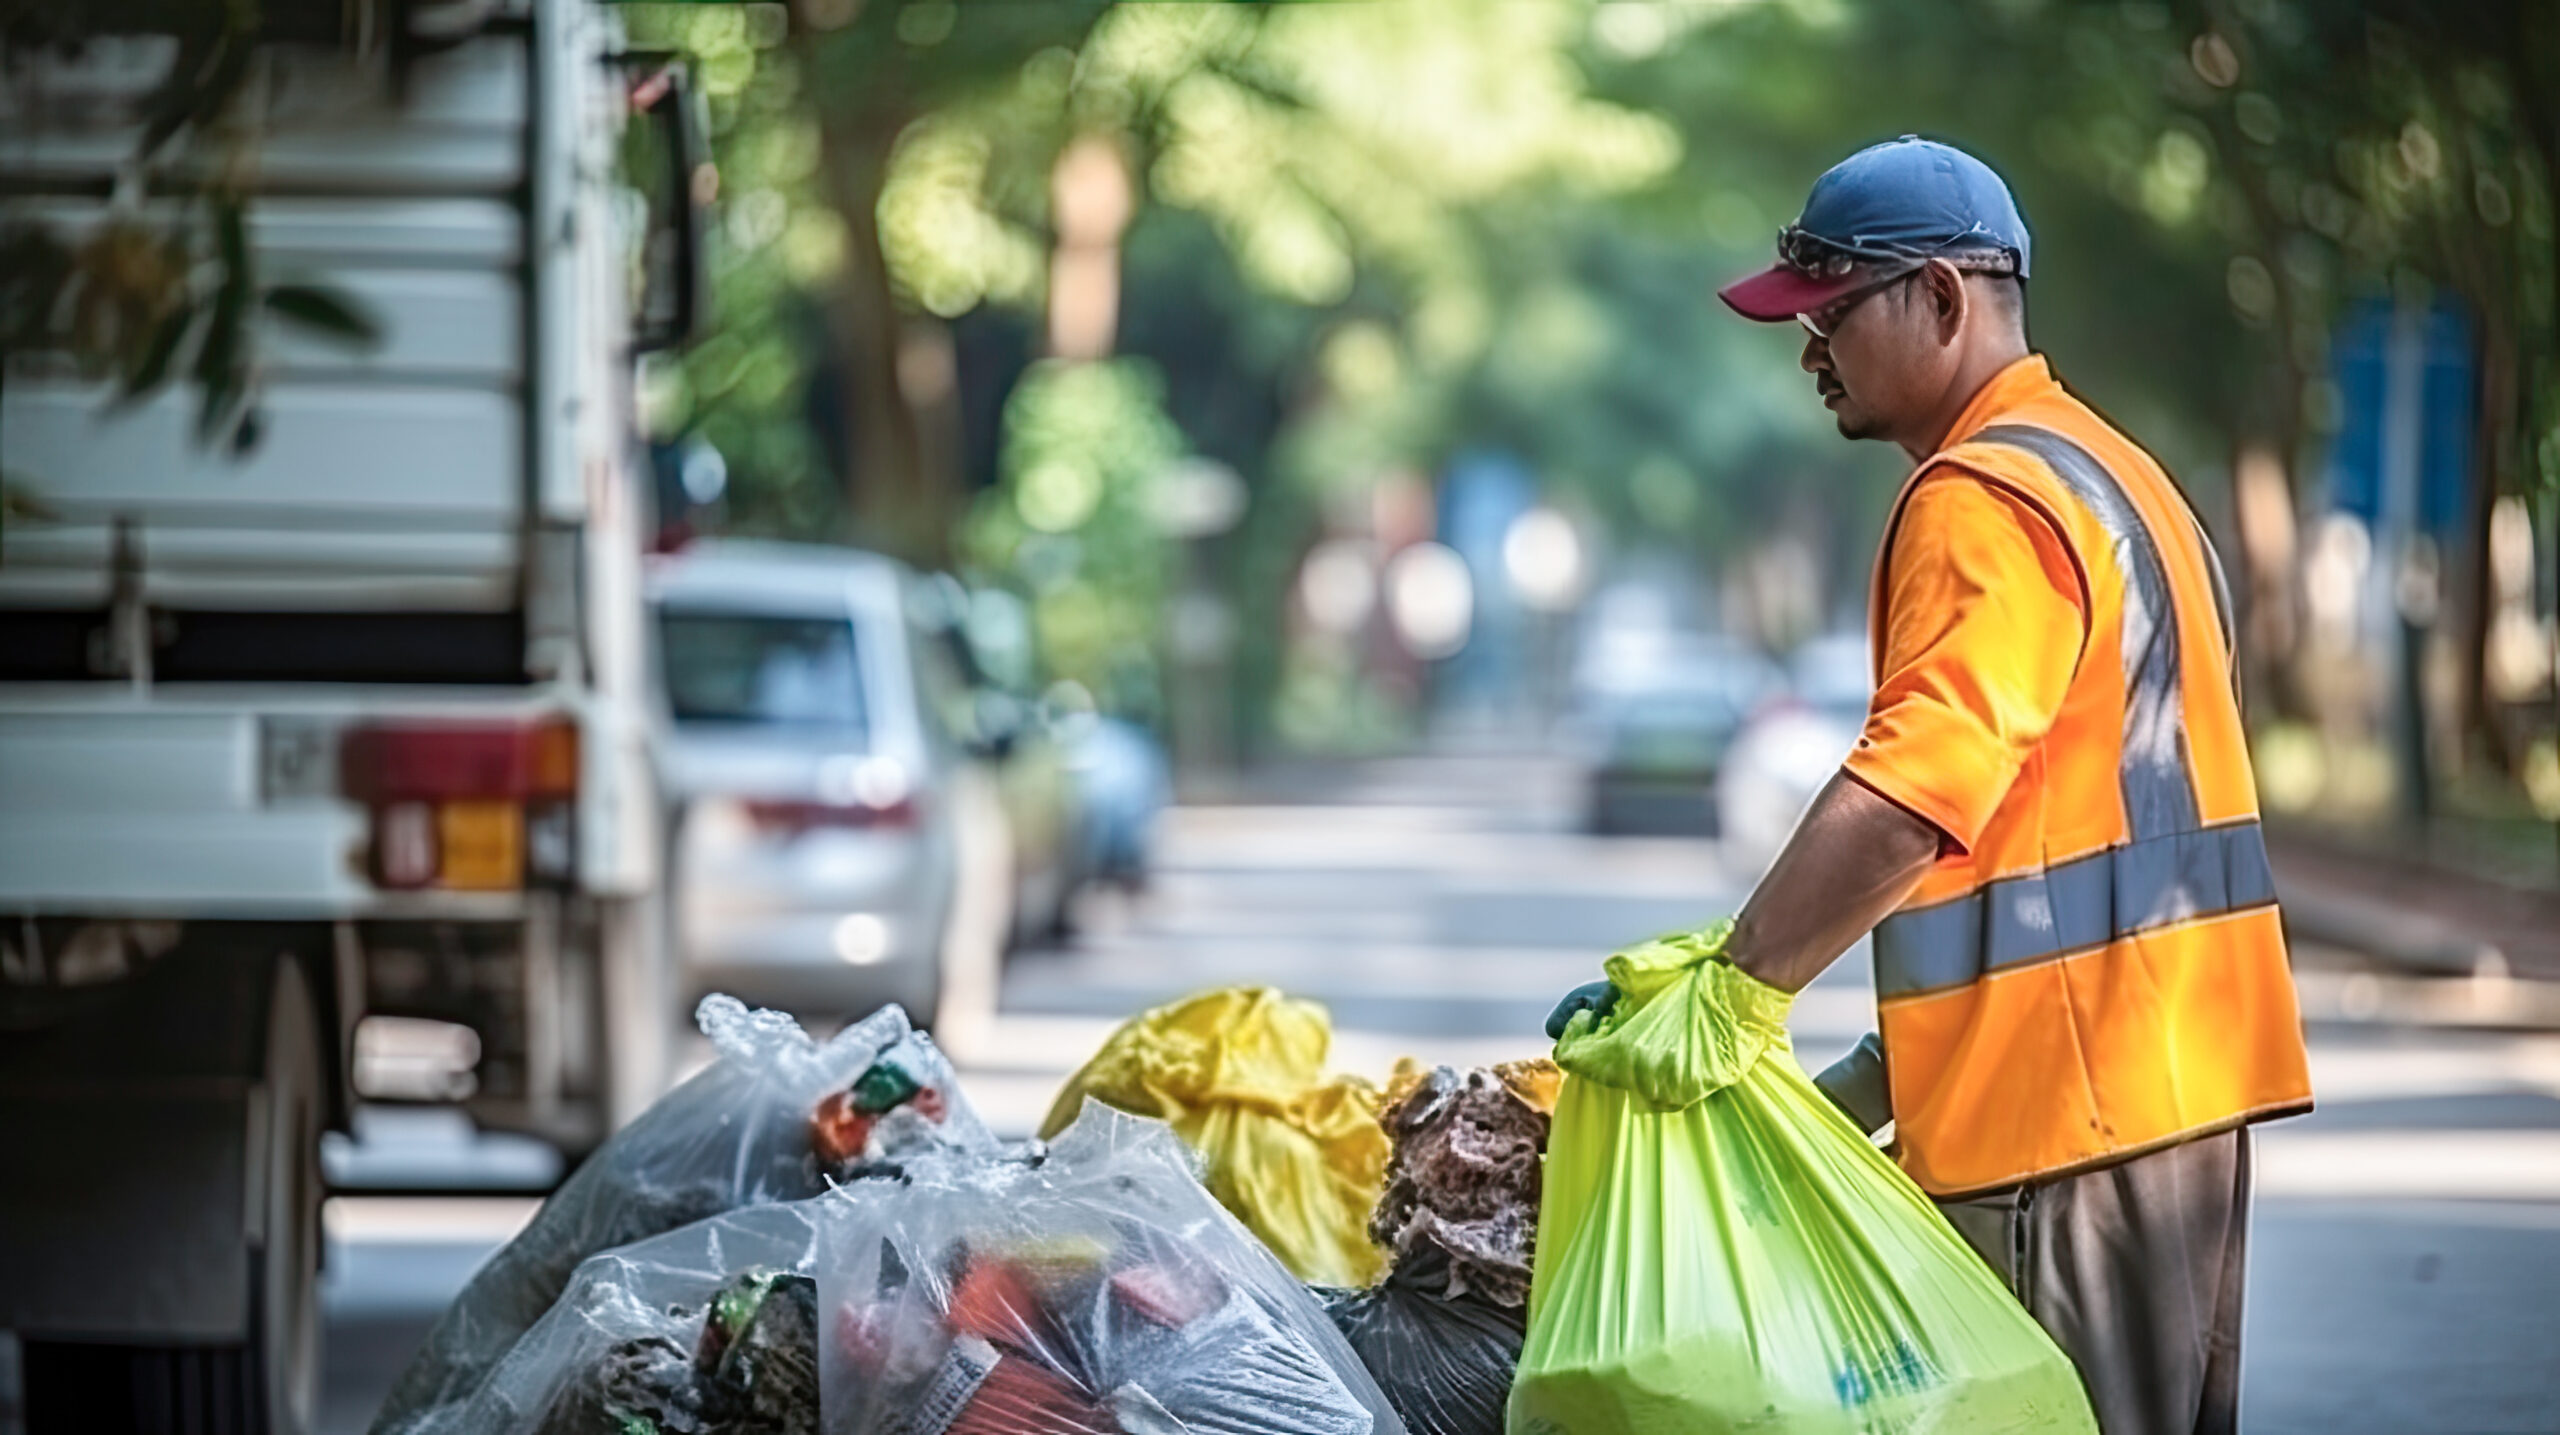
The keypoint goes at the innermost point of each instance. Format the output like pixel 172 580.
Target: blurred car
pixel 1124 779
pixel 1028 744
pixel 1657 724
pixel 830 826
pixel 1792 746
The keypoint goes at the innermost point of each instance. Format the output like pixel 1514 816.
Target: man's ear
pixel 1948 298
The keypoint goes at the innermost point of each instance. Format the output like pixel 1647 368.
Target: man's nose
pixel 1815 351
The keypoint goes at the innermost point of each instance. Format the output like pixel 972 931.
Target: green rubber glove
pixel 1596 998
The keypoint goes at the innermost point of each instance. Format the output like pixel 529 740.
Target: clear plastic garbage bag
pixel 772 1119
pixel 1102 1292
pixel 710 1329
pixel 1720 1249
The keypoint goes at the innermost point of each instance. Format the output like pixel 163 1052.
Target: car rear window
pixel 756 668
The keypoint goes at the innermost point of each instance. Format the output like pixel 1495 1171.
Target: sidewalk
pixel 2407 913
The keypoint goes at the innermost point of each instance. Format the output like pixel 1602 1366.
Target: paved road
pixel 2407 1250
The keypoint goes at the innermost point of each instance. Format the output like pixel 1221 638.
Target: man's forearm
pixel 1851 862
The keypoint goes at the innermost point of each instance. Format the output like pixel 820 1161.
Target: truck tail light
pixel 466 806
pixel 405 854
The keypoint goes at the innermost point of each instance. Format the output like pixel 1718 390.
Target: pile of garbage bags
pixel 776 1117
pixel 1668 1227
pixel 815 1237
pixel 1413 1211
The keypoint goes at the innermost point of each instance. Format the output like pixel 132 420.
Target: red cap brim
pixel 1778 293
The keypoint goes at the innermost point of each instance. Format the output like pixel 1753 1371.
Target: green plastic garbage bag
pixel 1721 1250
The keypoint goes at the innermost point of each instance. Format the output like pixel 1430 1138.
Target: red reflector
pixel 443 762
pixel 800 816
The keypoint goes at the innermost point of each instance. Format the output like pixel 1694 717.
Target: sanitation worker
pixel 2048 823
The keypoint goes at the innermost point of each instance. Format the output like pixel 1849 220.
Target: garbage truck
pixel 334 730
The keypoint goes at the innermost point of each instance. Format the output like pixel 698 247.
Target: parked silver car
pixel 1657 711
pixel 835 844
pixel 1791 747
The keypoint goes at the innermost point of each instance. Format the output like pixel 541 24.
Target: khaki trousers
pixel 2136 1271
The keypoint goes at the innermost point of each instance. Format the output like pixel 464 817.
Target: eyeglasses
pixel 1824 322
pixel 1815 257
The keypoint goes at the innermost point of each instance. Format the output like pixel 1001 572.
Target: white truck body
pixel 443 533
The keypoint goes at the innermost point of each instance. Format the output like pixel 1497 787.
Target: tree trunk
pixel 901 476
pixel 2494 348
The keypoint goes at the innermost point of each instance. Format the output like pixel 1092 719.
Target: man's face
pixel 1872 357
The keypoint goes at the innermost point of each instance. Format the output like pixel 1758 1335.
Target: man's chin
pixel 1854 423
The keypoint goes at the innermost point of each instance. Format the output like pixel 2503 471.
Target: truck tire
pixel 270 1382
pixel 284 1341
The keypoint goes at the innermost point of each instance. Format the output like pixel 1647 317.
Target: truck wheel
pixel 269 1384
pixel 284 1348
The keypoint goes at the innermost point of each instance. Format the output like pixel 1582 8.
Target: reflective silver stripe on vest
pixel 2173 869
pixel 2221 598
pixel 2159 793
pixel 2074 906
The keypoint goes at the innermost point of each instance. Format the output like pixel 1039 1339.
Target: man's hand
pixel 1596 998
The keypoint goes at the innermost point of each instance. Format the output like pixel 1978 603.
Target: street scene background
pixel 2407 1234
pixel 1333 539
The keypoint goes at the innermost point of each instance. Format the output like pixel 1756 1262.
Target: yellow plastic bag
pixel 1721 1250
pixel 1239 1074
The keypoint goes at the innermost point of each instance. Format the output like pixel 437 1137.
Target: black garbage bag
pixel 1444 1360
pixel 1443 1331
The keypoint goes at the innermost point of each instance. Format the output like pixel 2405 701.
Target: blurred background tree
pixel 1346 254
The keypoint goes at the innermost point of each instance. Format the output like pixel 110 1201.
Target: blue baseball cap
pixel 1889 207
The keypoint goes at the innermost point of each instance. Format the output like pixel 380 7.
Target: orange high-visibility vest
pixel 2097 968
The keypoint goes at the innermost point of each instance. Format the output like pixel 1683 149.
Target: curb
pixel 2391 934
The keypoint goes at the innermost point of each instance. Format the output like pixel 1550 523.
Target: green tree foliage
pixel 1369 236
pixel 1075 523
pixel 147 297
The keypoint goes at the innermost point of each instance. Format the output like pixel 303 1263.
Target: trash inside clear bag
pixel 1720 1249
pixel 709 1329
pixel 773 1118
pixel 1103 1290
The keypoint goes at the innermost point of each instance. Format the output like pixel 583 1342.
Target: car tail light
pixel 793 817
pixel 466 806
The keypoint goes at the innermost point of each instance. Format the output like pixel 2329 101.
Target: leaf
pixel 221 364
pixel 173 104
pixel 19 503
pixel 218 409
pixel 231 235
pixel 35 269
pixel 20 500
pixel 151 374
pixel 326 312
